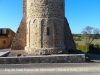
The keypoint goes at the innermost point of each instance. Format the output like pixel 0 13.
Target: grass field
pixel 93 50
pixel 96 41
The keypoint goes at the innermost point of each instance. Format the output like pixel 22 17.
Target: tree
pixel 90 33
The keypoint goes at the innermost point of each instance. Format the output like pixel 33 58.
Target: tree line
pixel 89 34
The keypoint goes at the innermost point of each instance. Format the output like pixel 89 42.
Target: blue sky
pixel 80 13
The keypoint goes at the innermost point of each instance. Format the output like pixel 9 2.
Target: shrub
pixel 94 49
pixel 83 48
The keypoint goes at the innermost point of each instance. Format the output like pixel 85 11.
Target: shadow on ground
pixel 90 58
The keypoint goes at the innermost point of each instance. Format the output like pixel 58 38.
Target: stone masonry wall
pixel 45 26
pixel 19 41
pixel 79 58
pixel 69 41
pixel 24 7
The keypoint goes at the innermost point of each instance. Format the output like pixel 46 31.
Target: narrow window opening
pixel 48 31
pixel 4 42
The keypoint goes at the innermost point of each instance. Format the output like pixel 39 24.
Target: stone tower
pixel 44 28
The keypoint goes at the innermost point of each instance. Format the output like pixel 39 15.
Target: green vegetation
pixel 89 40
pixel 78 38
pixel 82 46
pixel 87 31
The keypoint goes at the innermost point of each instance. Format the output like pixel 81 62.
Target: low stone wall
pixel 63 58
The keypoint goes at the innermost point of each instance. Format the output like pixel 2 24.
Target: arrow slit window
pixel 48 31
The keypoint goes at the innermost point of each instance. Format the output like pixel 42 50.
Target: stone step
pixel 57 58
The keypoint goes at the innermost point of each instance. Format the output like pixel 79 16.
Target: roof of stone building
pixel 7 32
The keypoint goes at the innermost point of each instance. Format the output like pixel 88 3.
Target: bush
pixel 94 49
pixel 97 45
pixel 83 48
pixel 91 47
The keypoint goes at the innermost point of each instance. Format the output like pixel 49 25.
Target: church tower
pixel 46 30
pixel 45 26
